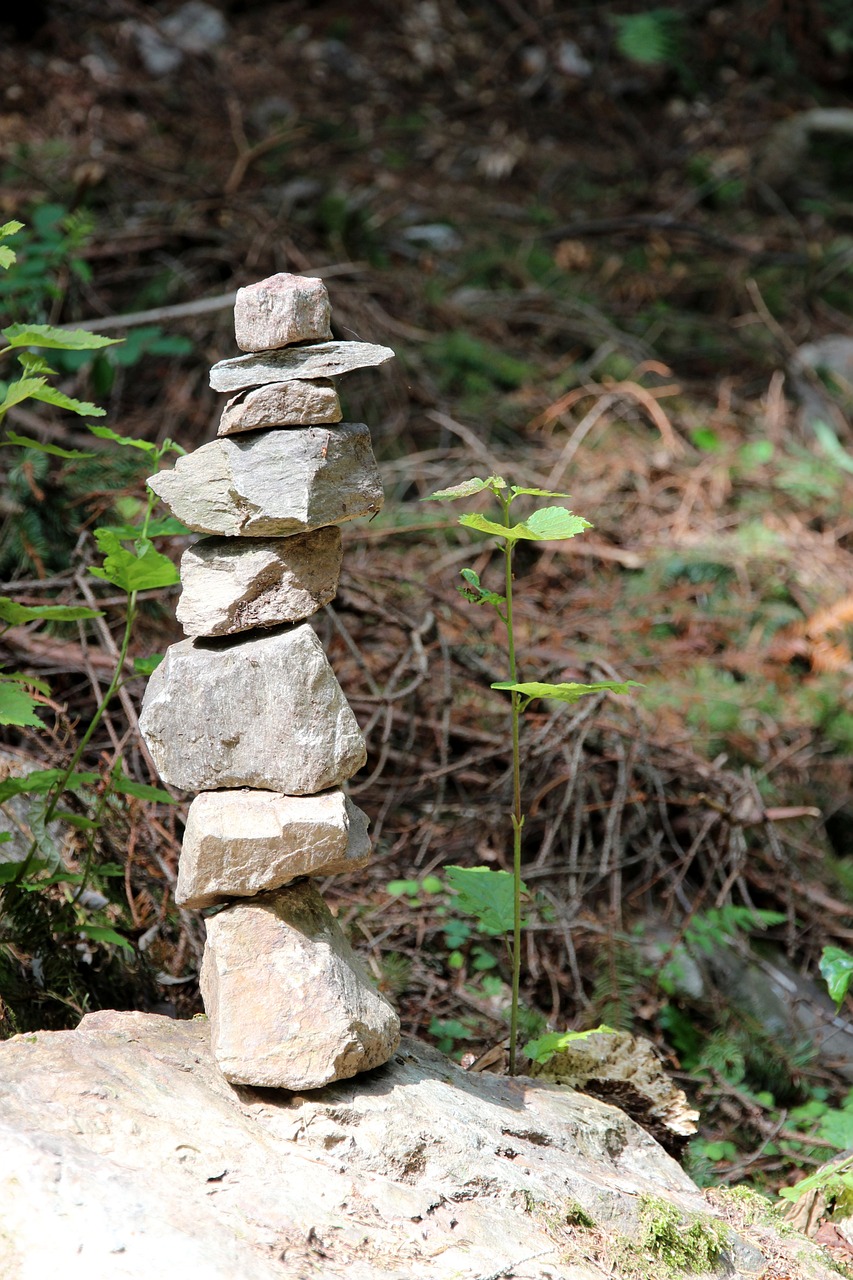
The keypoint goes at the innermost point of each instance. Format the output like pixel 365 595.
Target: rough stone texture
pixel 274 483
pixel 321 360
pixel 239 843
pixel 290 1006
pixel 258 712
pixel 232 585
pixel 281 404
pixel 124 1153
pixel 281 309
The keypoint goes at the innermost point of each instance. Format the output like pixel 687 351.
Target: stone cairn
pixel 247 711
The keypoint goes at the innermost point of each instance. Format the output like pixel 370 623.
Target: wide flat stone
pixel 274 483
pixel 235 584
pixel 321 360
pixel 262 712
pixel 289 1004
pixel 239 843
pixel 281 309
pixel 281 404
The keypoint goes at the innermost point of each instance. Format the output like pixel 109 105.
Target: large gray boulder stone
pixel 261 712
pixel 320 360
pixel 281 404
pixel 281 309
pixel 124 1153
pixel 290 1006
pixel 274 483
pixel 240 843
pixel 234 584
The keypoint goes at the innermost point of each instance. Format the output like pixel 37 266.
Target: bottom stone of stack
pixel 289 1004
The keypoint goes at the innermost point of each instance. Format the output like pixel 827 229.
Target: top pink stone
pixel 281 310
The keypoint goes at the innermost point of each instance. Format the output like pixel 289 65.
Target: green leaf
pixel 52 395
pixel 543 1049
pixel 837 1127
pixel 147 666
pixel 467 488
pixel 9 871
pixel 10 229
pixel 477 594
pixel 836 967
pixel 550 524
pixel 142 569
pixel 47 335
pixel 99 933
pixel 14 613
pixel 832 446
pixel 517 490
pixel 77 820
pixel 40 781
pixel 488 895
pixel 33 364
pixel 127 787
pixel 402 888
pixel 167 527
pixel 25 442
pixel 129 442
pixel 18 391
pixel 565 692
pixel 18 707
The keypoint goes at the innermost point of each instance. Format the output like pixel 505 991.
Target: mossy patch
pixel 670 1245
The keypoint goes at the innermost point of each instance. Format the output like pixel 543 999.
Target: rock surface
pixel 124 1153
pixel 321 360
pixel 239 843
pixel 274 483
pixel 281 309
pixel 289 1003
pixel 281 404
pixel 257 712
pixel 232 585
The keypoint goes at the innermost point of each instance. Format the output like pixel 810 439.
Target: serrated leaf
pixel 167 527
pixel 141 791
pixel 147 666
pixel 836 968
pixel 100 933
pixel 550 524
pixel 14 613
pixel 128 442
pixel 40 781
pixel 485 894
pixel 85 408
pixel 142 569
pixel 16 392
pixel 18 677
pixel 517 490
pixel 17 707
pixel 565 692
pixel 48 335
pixel 475 593
pixel 25 442
pixel 467 489
pixel 8 257
pixel 10 228
pixel 33 364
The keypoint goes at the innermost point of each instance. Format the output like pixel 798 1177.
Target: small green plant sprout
pixel 543 1049
pixel 494 897
pixel 834 1180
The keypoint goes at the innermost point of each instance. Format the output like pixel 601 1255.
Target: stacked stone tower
pixel 247 711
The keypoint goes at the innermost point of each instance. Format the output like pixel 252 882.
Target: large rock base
pixel 289 1005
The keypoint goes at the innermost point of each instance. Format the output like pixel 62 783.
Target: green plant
pixel 494 897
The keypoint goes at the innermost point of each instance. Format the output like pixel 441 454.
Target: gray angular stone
pixel 274 483
pixel 289 1004
pixel 322 360
pixel 265 712
pixel 282 309
pixel 281 404
pixel 235 584
pixel 240 843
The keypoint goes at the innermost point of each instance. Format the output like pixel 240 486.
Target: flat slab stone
pixel 239 843
pixel 274 483
pixel 234 584
pixel 281 404
pixel 262 712
pixel 290 1006
pixel 321 360
pixel 281 309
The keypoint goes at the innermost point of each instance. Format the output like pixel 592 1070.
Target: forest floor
pixel 595 273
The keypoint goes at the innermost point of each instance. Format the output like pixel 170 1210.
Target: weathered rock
pixel 125 1153
pixel 281 404
pixel 822 378
pixel 274 483
pixel 289 1004
pixel 239 843
pixel 281 309
pixel 232 585
pixel 321 360
pixel 257 712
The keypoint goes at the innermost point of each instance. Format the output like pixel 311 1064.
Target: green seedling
pixel 495 897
